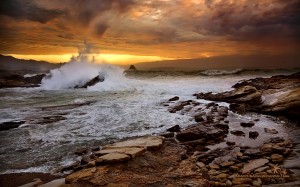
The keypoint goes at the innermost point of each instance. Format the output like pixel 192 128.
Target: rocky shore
pixel 220 149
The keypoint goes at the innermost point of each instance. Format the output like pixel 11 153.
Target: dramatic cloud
pixel 27 10
pixel 167 28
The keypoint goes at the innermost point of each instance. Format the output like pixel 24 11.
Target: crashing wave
pixel 221 72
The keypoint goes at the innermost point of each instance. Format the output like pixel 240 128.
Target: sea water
pixel 126 104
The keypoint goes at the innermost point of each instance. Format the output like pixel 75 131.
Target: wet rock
pixel 55 183
pixel 253 134
pixel 276 158
pixel 91 82
pixel 11 124
pixel 223 111
pixel 85 159
pixel 81 151
pixel 254 164
pixel 112 158
pixel 247 124
pixel 271 131
pixel 147 141
pixel 168 135
pixel 237 133
pixel 174 98
pixel 175 128
pixel 240 109
pixel 179 106
pixel 131 151
pixel 199 118
pixel 222 126
pixel 199 132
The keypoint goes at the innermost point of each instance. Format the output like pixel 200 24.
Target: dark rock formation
pixel 132 67
pixel 10 125
pixel 16 80
pixel 278 95
pixel 91 82
pixel 175 128
pixel 174 98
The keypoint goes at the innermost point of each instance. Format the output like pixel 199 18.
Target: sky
pixel 131 31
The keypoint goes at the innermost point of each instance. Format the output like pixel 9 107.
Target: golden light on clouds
pixel 99 58
pixel 131 31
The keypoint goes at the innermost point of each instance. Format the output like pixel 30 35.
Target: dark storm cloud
pixel 246 20
pixel 27 10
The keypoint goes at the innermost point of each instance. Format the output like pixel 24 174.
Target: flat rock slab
pixel 112 157
pixel 254 164
pixel 132 151
pixel 148 142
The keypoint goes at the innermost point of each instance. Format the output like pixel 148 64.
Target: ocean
pixel 60 119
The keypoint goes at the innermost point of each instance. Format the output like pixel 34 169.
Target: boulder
pixel 132 67
pixel 237 133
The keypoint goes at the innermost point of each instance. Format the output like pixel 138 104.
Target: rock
pixel 226 164
pixel 112 158
pixel 271 131
pixel 230 143
pixel 234 168
pixel 132 67
pixel 223 111
pixel 91 82
pixel 257 183
pixel 91 163
pixel 200 164
pixel 11 124
pixel 175 128
pixel 85 159
pixel 261 169
pixel 147 141
pixel 241 109
pixel 247 124
pixel 131 151
pixel 237 181
pixel 254 164
pixel 174 98
pixel 228 183
pixel 55 183
pixel 237 133
pixel 214 166
pixel 81 151
pixel 199 132
pixel 34 183
pixel 222 126
pixel 223 176
pixel 179 106
pixel 168 135
pixel 199 118
pixel 276 158
pixel 253 134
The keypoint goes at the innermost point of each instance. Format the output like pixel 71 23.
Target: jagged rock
pixel 253 134
pixel 11 125
pixel 179 106
pixel 247 124
pixel 91 82
pixel 199 118
pixel 174 98
pixel 254 164
pixel 271 131
pixel 16 80
pixel 175 128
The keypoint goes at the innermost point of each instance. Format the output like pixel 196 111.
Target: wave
pixel 221 72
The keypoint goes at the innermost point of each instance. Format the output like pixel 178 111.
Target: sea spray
pixel 82 69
